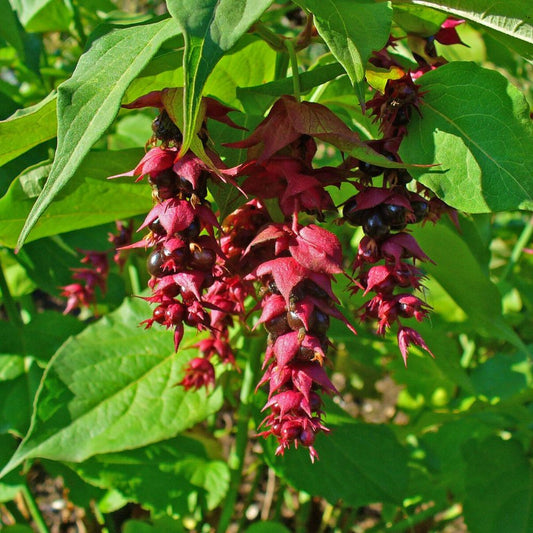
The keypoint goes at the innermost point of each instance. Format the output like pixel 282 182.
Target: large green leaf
pixel 510 18
pixel 499 487
pixel 352 29
pixel 28 128
pixel 166 477
pixel 89 101
pixel 475 125
pixel 44 15
pixel 211 28
pixel 112 387
pixel 459 272
pixel 88 200
pixel 359 464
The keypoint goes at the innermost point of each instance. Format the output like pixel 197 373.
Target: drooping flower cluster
pixel 386 262
pixel 82 293
pixel 295 265
pixel 202 271
pixel 189 282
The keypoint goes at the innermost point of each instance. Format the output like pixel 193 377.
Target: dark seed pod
pixel 370 169
pixel 277 326
pixel 165 130
pixel 420 209
pixel 154 264
pixel 319 323
pixel 177 258
pixel 397 176
pixel 192 231
pixel 203 258
pixel 351 214
pixel 272 287
pixel 403 115
pixel 375 227
pixel 157 228
pixel 393 214
pixel 294 321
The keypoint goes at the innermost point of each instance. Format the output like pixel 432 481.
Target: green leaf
pixel 28 128
pixel 499 487
pixel 459 272
pixel 39 16
pixel 247 67
pixel 352 29
pixel 475 125
pixel 167 477
pixel 159 525
pixel 89 101
pixel 261 96
pixel 418 20
pixel 359 463
pixel 89 199
pixel 512 18
pixel 211 28
pixel 111 388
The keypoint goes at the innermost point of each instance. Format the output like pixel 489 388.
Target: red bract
pixel 199 373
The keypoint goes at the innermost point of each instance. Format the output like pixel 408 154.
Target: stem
pixel 518 248
pixel 9 304
pixel 34 510
pixel 78 24
pixel 244 413
pixel 273 40
pixel 135 279
pixel 294 67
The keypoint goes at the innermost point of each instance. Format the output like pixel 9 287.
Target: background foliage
pixel 446 441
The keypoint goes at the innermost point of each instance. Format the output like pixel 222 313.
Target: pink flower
pixel 408 336
pixel 199 373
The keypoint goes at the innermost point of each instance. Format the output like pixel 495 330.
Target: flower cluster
pixel 386 262
pixel 189 282
pixel 82 293
pixel 202 272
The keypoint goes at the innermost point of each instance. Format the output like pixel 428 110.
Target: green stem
pixel 294 67
pixel 236 459
pixel 9 304
pixel 34 510
pixel 78 23
pixel 275 41
pixel 521 243
pixel 135 279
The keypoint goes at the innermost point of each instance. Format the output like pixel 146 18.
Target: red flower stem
pixel 254 347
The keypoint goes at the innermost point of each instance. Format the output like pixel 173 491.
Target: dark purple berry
pixel 420 209
pixel 191 232
pixel 277 326
pixel 157 228
pixel 165 130
pixel 154 264
pixel 375 227
pixel 203 259
pixel 393 214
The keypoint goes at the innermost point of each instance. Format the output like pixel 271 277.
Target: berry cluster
pixel 202 271
pixel 82 293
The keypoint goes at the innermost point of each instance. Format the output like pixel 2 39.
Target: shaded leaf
pixel 114 379
pixel 28 128
pixel 499 487
pixel 39 16
pixel 369 456
pixel 211 28
pixel 458 271
pixel 475 125
pixel 89 101
pixel 88 200
pixel 159 525
pixel 352 30
pixel 512 18
pixel 167 477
